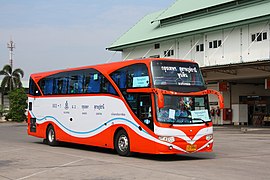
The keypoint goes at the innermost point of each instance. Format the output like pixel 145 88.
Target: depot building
pixel 230 41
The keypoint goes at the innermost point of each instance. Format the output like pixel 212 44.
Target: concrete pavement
pixel 236 155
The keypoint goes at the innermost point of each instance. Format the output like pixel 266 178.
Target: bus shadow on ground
pixel 153 157
pixel 176 157
pixel 81 147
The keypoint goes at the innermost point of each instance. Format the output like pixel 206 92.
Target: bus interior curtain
pixel 94 85
pixel 48 86
pixel 123 79
pixel 31 85
pixel 115 78
pixel 80 83
pixel 111 90
pixel 55 89
pixel 64 88
pixel 138 72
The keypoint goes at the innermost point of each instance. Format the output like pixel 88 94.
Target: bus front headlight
pixel 169 139
pixel 209 137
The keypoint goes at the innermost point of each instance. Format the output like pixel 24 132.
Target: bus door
pixel 141 104
pixel 34 92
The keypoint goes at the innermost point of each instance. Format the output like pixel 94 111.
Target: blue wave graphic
pixel 90 131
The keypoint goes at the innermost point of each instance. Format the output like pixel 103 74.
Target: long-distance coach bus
pixel 155 106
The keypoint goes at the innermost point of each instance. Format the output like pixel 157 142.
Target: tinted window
pixel 184 110
pixel 133 76
pixel 33 89
pixel 166 73
pixel 141 106
pixel 76 82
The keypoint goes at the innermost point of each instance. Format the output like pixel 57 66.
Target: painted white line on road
pixel 40 172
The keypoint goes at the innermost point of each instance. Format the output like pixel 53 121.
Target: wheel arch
pixel 115 133
pixel 46 132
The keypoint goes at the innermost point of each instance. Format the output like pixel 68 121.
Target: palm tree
pixel 12 79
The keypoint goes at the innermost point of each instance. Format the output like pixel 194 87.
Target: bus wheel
pixel 122 143
pixel 51 138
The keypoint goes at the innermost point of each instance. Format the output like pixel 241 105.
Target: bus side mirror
pixel 219 95
pixel 160 100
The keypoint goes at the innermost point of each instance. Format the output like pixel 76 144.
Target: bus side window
pixel 33 89
pixel 145 110
pixel 48 88
pixel 80 83
pixel 56 86
pixel 132 100
pixel 64 86
pixel 60 85
pixel 86 84
pixel 141 105
pixel 31 86
pixel 73 84
pixel 135 75
pixel 41 84
pixel 94 83
pixel 140 77
pixel 107 86
pixel 111 90
pixel 120 78
pixel 123 79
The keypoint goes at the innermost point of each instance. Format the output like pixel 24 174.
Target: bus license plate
pixel 191 147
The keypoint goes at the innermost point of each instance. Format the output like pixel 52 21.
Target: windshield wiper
pixel 206 122
pixel 175 120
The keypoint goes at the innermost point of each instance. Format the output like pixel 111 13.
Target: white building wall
pixel 247 90
pixel 185 48
pixel 199 56
pixel 231 47
pixel 168 45
pixel 136 52
pixel 213 55
pixel 236 47
pixel 257 50
pixel 149 50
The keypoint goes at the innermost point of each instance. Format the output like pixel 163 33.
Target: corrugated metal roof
pixel 186 6
pixel 145 31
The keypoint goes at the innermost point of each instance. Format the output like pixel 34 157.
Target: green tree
pixel 18 105
pixel 12 79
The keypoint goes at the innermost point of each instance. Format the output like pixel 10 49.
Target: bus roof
pixel 107 67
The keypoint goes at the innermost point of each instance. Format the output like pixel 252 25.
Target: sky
pixel 58 34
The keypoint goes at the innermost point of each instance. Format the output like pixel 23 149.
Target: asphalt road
pixel 236 155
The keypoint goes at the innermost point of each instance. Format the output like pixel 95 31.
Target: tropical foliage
pixel 18 105
pixel 11 79
pixel 11 84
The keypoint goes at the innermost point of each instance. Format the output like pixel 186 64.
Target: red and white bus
pixel 155 106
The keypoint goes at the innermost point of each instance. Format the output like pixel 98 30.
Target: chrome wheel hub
pixel 51 135
pixel 123 143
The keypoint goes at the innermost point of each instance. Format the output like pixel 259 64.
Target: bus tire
pixel 122 143
pixel 51 136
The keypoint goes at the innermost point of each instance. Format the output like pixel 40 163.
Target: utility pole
pixel 11 46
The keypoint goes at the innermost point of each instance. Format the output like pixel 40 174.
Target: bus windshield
pixel 184 110
pixel 171 73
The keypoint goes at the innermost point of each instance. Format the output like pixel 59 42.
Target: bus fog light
pixel 209 137
pixel 169 139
